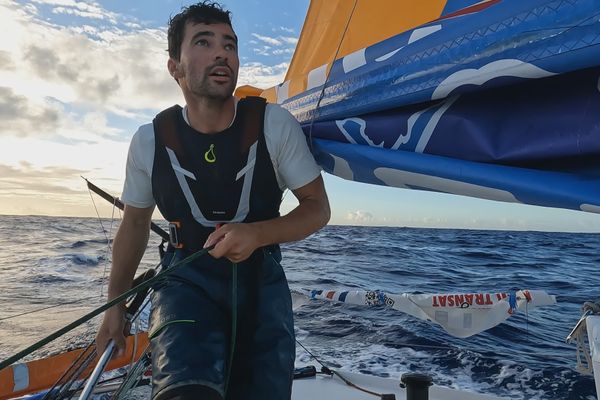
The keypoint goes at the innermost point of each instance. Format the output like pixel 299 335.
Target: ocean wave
pixel 82 259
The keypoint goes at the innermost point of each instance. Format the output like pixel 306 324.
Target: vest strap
pixel 253 120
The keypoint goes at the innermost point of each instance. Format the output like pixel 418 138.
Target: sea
pixel 54 269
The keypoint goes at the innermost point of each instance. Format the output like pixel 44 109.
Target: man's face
pixel 209 60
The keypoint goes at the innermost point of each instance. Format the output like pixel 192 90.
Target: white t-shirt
pixel 294 164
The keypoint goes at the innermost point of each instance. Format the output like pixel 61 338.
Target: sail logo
pixel 377 298
pixel 412 130
pixel 467 300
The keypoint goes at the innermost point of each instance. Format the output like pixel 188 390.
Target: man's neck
pixel 209 116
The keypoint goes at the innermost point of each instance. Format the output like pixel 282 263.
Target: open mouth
pixel 220 73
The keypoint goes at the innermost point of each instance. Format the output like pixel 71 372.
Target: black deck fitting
pixel 417 385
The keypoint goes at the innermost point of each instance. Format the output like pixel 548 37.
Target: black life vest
pixel 201 180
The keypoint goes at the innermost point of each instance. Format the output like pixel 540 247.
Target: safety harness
pixel 189 193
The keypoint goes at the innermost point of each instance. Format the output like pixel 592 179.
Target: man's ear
pixel 174 69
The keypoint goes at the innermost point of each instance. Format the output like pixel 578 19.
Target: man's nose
pixel 221 54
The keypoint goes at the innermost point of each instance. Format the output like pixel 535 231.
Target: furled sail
pixel 459 314
pixel 493 99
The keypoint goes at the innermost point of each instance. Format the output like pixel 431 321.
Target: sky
pixel 78 77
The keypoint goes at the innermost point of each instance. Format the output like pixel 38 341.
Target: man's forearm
pixel 308 217
pixel 302 221
pixel 128 248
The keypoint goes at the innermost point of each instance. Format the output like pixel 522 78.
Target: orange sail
pixel 336 28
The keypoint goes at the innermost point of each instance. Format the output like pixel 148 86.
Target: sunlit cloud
pixel 262 51
pixel 261 75
pixel 278 52
pixel 267 39
pixel 71 97
pixel 22 117
pixel 361 217
pixel 26 179
pixel 278 43
pixel 78 8
pixel 289 40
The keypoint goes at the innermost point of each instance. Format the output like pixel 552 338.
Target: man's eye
pixel 202 42
pixel 230 47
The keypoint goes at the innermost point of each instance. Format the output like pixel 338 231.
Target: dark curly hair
pixel 205 12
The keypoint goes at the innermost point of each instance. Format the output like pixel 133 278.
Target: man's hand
pixel 113 327
pixel 235 242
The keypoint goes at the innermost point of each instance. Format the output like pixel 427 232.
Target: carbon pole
pixel 119 204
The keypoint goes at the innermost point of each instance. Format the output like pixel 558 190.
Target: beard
pixel 204 87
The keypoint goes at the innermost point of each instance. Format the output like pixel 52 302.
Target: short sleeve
pixel 137 190
pixel 294 164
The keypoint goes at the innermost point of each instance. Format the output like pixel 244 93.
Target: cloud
pixel 262 51
pixel 261 75
pixel 6 62
pixel 283 51
pixel 85 10
pixel 269 40
pixel 73 95
pixel 280 41
pixel 46 64
pixel 21 117
pixel 361 217
pixel 102 67
pixel 27 180
pixel 53 190
pixel 97 67
pixel 289 40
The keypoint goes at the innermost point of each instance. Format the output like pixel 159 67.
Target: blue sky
pixel 78 77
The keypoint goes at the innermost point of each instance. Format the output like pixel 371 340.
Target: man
pixel 221 326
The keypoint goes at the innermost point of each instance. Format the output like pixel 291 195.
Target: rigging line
pixel 330 371
pixel 98 215
pixel 141 308
pixel 134 377
pixel 311 354
pixel 47 308
pixel 108 248
pixel 79 373
pixel 112 199
pixel 68 373
pixel 66 382
pixel 55 306
pixel 124 296
pixel 322 93
pixel 135 320
pixel 63 385
pixel 105 235
pixel 137 368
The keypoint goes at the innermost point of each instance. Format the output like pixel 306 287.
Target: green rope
pixel 233 322
pixel 99 310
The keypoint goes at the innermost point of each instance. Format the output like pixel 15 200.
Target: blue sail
pixel 502 103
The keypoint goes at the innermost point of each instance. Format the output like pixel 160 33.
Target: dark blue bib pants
pixel 191 326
